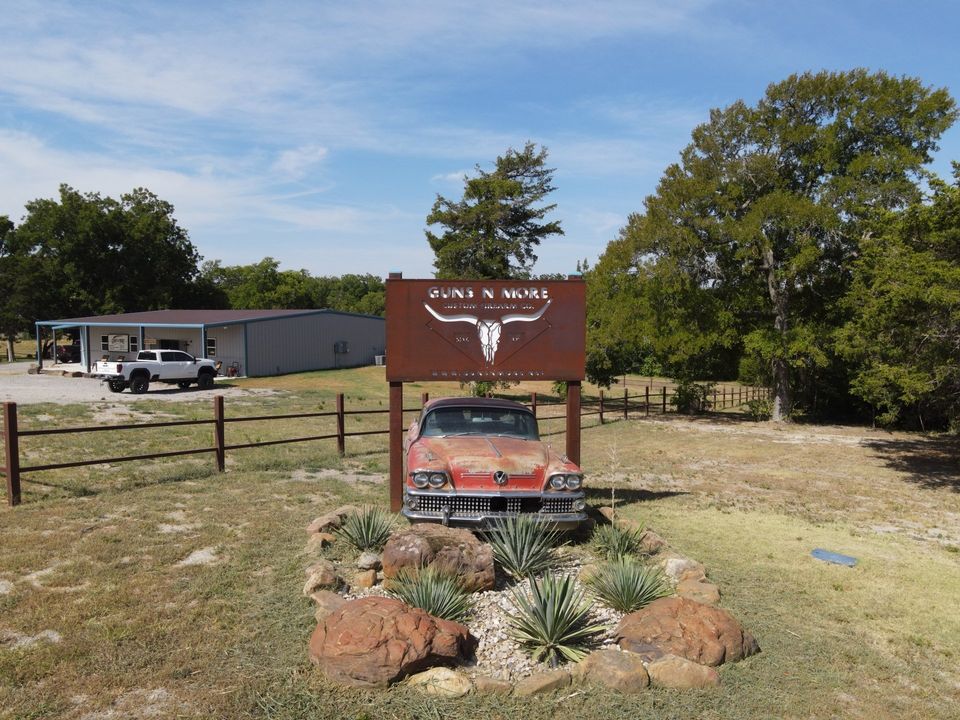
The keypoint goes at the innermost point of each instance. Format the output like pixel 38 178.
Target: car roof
pixel 475 402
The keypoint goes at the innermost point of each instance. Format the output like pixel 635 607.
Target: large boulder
pixel 704 634
pixel 375 641
pixel 454 550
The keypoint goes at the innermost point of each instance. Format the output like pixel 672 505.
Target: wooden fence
pixel 606 407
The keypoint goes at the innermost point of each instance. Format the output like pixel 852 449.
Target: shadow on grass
pixel 931 462
pixel 628 496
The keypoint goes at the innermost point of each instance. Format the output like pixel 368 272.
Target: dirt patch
pixel 15 641
pixel 204 556
pixel 141 703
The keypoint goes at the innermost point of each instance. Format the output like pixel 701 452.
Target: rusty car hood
pixel 472 460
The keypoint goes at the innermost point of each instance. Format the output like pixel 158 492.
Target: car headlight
pixel 437 480
pixel 579 505
pixel 558 482
pixel 421 479
pixel 574 482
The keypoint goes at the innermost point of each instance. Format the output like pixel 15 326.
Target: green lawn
pixel 93 556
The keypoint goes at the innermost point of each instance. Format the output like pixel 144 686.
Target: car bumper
pixel 478 509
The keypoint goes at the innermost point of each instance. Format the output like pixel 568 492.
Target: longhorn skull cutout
pixel 489 331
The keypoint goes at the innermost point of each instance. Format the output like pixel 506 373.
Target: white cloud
pixel 451 178
pixel 295 163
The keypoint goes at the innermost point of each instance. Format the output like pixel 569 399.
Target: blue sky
pixel 319 133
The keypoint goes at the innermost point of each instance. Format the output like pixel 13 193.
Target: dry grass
pixel 95 556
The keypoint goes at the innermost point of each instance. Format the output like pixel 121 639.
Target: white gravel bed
pixel 497 654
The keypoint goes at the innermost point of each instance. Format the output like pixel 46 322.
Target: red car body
pixel 472 460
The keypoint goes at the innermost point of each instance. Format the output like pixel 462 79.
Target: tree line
pixel 85 254
pixel 800 243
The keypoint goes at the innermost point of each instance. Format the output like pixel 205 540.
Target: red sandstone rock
pixel 455 550
pixel 375 641
pixel 701 633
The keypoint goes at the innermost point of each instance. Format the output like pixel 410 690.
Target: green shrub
pixel 691 397
pixel 551 619
pixel 522 545
pixel 760 408
pixel 439 593
pixel 367 529
pixel 612 541
pixel 626 585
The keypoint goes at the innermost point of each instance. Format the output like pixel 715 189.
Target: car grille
pixel 478 506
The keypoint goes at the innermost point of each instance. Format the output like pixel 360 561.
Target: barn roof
pixel 190 318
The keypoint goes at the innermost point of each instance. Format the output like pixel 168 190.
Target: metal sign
pixel 467 330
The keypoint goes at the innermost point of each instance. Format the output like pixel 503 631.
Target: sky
pixel 320 133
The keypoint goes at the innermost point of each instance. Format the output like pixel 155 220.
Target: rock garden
pixel 519 608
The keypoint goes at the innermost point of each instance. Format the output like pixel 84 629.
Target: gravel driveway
pixel 17 386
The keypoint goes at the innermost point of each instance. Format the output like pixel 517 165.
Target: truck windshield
pixel 480 421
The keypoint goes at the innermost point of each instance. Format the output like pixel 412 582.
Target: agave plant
pixel 626 585
pixel 613 541
pixel 438 593
pixel 523 546
pixel 552 619
pixel 367 529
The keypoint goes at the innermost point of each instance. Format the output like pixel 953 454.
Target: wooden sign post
pixel 483 330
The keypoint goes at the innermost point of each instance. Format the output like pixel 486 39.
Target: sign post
pixel 483 330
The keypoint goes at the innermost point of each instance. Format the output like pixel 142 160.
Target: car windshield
pixel 480 421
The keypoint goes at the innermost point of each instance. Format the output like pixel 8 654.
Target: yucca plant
pixel 522 545
pixel 551 619
pixel 626 585
pixel 612 541
pixel 439 593
pixel 367 529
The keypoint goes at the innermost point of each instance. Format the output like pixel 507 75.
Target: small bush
pixel 760 408
pixel 613 542
pixel 551 620
pixel 436 592
pixel 522 546
pixel 626 585
pixel 367 529
pixel 691 397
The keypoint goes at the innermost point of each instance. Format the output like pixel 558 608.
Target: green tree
pixel 904 334
pixel 492 231
pixel 749 239
pixel 90 254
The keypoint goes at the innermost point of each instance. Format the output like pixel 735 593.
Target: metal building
pixel 247 342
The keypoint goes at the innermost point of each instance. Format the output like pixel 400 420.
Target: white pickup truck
pixel 166 366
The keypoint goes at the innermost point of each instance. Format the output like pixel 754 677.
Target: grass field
pixel 97 557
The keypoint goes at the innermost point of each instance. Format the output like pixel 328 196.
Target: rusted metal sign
pixel 468 330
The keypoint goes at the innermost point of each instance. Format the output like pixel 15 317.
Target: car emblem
pixel 500 477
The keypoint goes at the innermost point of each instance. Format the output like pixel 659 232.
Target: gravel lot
pixel 17 386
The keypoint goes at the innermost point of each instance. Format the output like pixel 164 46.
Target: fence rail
pixel 604 406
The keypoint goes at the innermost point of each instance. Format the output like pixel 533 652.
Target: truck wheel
pixel 116 385
pixel 183 385
pixel 139 385
pixel 205 381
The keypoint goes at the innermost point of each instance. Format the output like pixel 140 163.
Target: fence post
pixel 601 407
pixel 533 403
pixel 715 399
pixel 626 400
pixel 341 437
pixel 424 398
pixel 663 402
pixel 646 400
pixel 219 436
pixel 11 445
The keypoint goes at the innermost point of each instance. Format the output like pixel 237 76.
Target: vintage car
pixel 472 460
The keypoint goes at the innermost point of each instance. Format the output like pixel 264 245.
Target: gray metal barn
pixel 247 342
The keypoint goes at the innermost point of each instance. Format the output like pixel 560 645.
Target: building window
pixel 104 342
pixel 211 347
pixel 134 343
